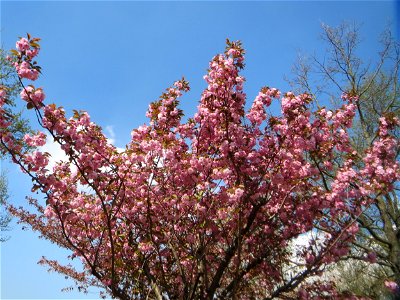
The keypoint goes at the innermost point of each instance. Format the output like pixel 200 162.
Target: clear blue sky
pixel 113 58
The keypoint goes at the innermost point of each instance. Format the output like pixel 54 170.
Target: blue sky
pixel 113 58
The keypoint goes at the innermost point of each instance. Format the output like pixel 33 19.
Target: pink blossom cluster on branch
pixel 207 208
pixel 26 51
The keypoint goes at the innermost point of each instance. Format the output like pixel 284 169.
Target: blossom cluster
pixel 27 49
pixel 22 59
pixel 36 96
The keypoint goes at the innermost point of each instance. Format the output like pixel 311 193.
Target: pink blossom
pixel 371 257
pixel 35 140
pixel 3 93
pixel 32 53
pixel 303 294
pixel 22 44
pixel 29 93
pixel 392 286
pixel 25 70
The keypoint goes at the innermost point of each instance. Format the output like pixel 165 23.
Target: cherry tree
pixel 204 208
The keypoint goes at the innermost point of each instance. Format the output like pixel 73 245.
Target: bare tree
pixel 353 276
pixel 376 83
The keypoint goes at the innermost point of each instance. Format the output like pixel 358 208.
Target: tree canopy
pixel 203 209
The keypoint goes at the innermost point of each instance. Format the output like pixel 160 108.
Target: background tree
pixel 361 278
pixel 376 84
pixel 4 216
pixel 10 86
